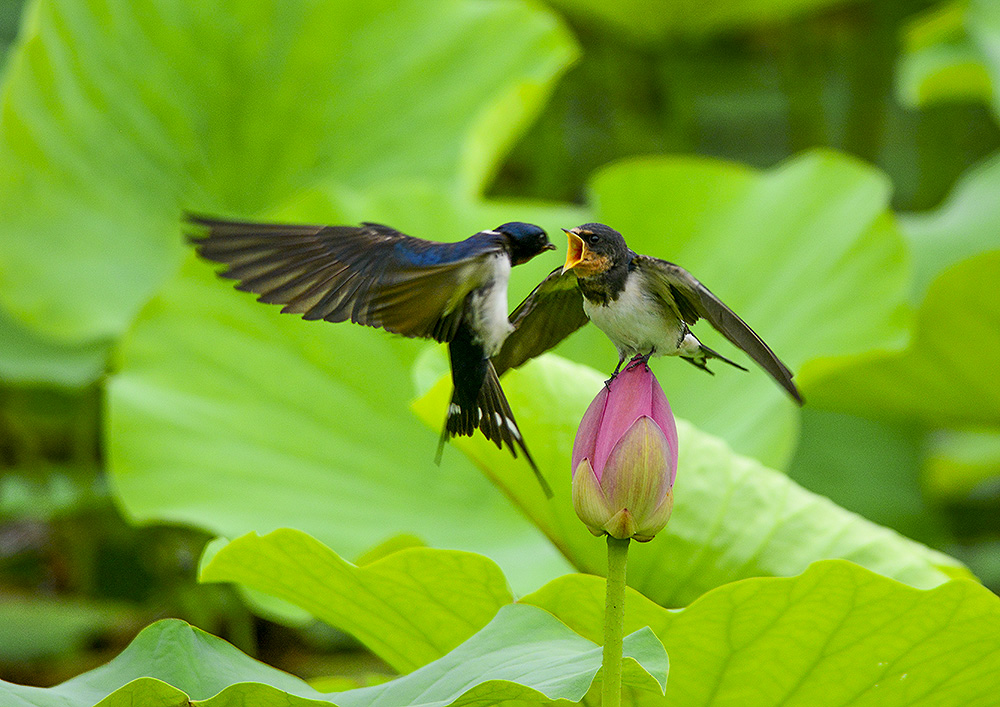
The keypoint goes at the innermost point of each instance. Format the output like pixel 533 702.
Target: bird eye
pixel 594 238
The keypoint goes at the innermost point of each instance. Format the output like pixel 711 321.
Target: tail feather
pixel 493 416
pixel 705 353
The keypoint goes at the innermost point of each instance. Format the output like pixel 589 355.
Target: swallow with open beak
pixel 645 305
pixel 376 276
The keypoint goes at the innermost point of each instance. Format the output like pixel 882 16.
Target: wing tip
pixel 793 391
pixel 196 228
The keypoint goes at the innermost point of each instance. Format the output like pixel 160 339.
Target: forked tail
pixel 704 354
pixel 492 415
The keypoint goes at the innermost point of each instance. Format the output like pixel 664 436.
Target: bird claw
pixel 614 374
pixel 637 359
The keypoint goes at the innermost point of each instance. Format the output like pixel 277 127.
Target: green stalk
pixel 614 622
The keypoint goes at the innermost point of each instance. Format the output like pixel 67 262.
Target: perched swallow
pixel 645 305
pixel 376 276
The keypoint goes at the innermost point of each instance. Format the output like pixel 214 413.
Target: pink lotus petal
pixel 630 397
pixel 586 434
pixel 664 417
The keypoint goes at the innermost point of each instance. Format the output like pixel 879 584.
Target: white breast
pixel 636 324
pixel 489 306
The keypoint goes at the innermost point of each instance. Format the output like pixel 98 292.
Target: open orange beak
pixel 576 250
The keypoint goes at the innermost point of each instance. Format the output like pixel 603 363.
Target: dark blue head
pixel 525 240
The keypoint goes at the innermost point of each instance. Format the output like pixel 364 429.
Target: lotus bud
pixel 625 458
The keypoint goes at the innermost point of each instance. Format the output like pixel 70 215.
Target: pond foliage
pixel 170 447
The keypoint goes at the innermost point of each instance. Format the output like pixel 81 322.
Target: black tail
pixel 707 353
pixel 479 403
pixel 492 415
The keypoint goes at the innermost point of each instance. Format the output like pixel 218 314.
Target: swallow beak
pixel 549 246
pixel 575 252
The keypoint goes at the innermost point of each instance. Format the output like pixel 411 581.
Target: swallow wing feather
pixel 693 300
pixel 369 274
pixel 552 311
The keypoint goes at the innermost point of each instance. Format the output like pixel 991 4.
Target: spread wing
pixel 370 274
pixel 552 311
pixel 694 301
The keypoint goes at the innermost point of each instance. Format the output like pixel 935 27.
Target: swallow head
pixel 526 240
pixel 593 249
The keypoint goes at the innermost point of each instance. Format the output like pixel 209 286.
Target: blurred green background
pixel 123 362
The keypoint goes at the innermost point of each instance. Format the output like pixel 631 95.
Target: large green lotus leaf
pixel 10 11
pixel 942 73
pixel 28 357
pixel 409 608
pixel 940 61
pixel 733 518
pixel 117 114
pixel 266 606
pixel 947 376
pixel 230 416
pixel 967 224
pixel 523 655
pixel 167 662
pixel 806 253
pixel 963 465
pixel 835 635
pixel 652 20
pixel 953 53
pixel 869 467
pixel 983 26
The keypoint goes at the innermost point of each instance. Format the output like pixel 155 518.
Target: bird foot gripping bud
pixel 625 458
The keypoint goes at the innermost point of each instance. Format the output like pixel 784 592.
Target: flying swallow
pixel 645 305
pixel 376 276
